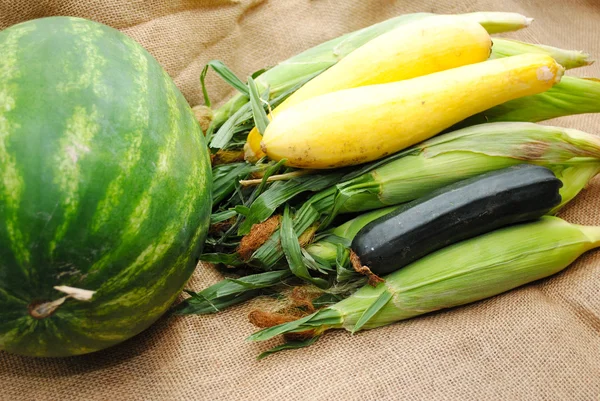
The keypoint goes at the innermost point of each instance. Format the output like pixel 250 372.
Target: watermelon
pixel 105 188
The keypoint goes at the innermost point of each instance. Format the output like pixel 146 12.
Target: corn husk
pixel 571 96
pixel 460 274
pixel 454 156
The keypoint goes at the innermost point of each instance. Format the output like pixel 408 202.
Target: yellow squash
pixel 419 48
pixel 358 125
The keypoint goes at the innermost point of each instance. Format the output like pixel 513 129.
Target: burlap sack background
pixel 540 342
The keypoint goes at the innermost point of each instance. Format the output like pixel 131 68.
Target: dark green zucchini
pixel 454 213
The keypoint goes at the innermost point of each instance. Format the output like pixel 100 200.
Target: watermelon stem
pixel 43 310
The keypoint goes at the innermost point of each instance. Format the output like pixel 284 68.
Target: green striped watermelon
pixel 104 188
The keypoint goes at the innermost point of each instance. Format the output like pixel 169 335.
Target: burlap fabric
pixel 540 342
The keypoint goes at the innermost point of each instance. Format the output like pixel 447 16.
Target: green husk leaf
pixel 348 230
pixel 326 300
pixel 228 259
pixel 222 216
pixel 226 74
pixel 293 253
pixel 269 254
pixel 321 319
pixel 342 263
pixel 498 21
pixel 242 120
pixel 273 169
pixel 577 178
pixel 289 345
pixel 224 134
pixel 313 264
pixel 230 292
pixel 570 96
pixel 242 210
pixel 372 310
pixel 198 305
pixel 280 192
pixel 258 73
pixel 258 107
pixel 225 178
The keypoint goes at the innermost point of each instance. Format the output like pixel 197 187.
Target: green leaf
pixel 312 263
pixel 268 333
pixel 342 263
pixel 225 178
pixel 270 252
pixel 293 253
pixel 258 107
pixel 229 259
pixel 226 74
pixel 242 210
pixel 258 73
pixel 209 132
pixel 289 345
pixel 222 216
pixel 242 120
pixel 326 300
pixel 228 129
pixel 280 192
pixel 199 305
pixel 320 320
pixel 372 310
pixel 265 180
pixel 334 239
pixel 229 292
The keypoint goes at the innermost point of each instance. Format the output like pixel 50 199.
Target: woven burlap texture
pixel 540 342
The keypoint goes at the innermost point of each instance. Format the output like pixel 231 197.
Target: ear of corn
pixel 312 62
pixel 574 157
pixel 336 129
pixel 419 48
pixel 463 273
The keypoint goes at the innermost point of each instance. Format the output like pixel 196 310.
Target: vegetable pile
pixel 395 171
